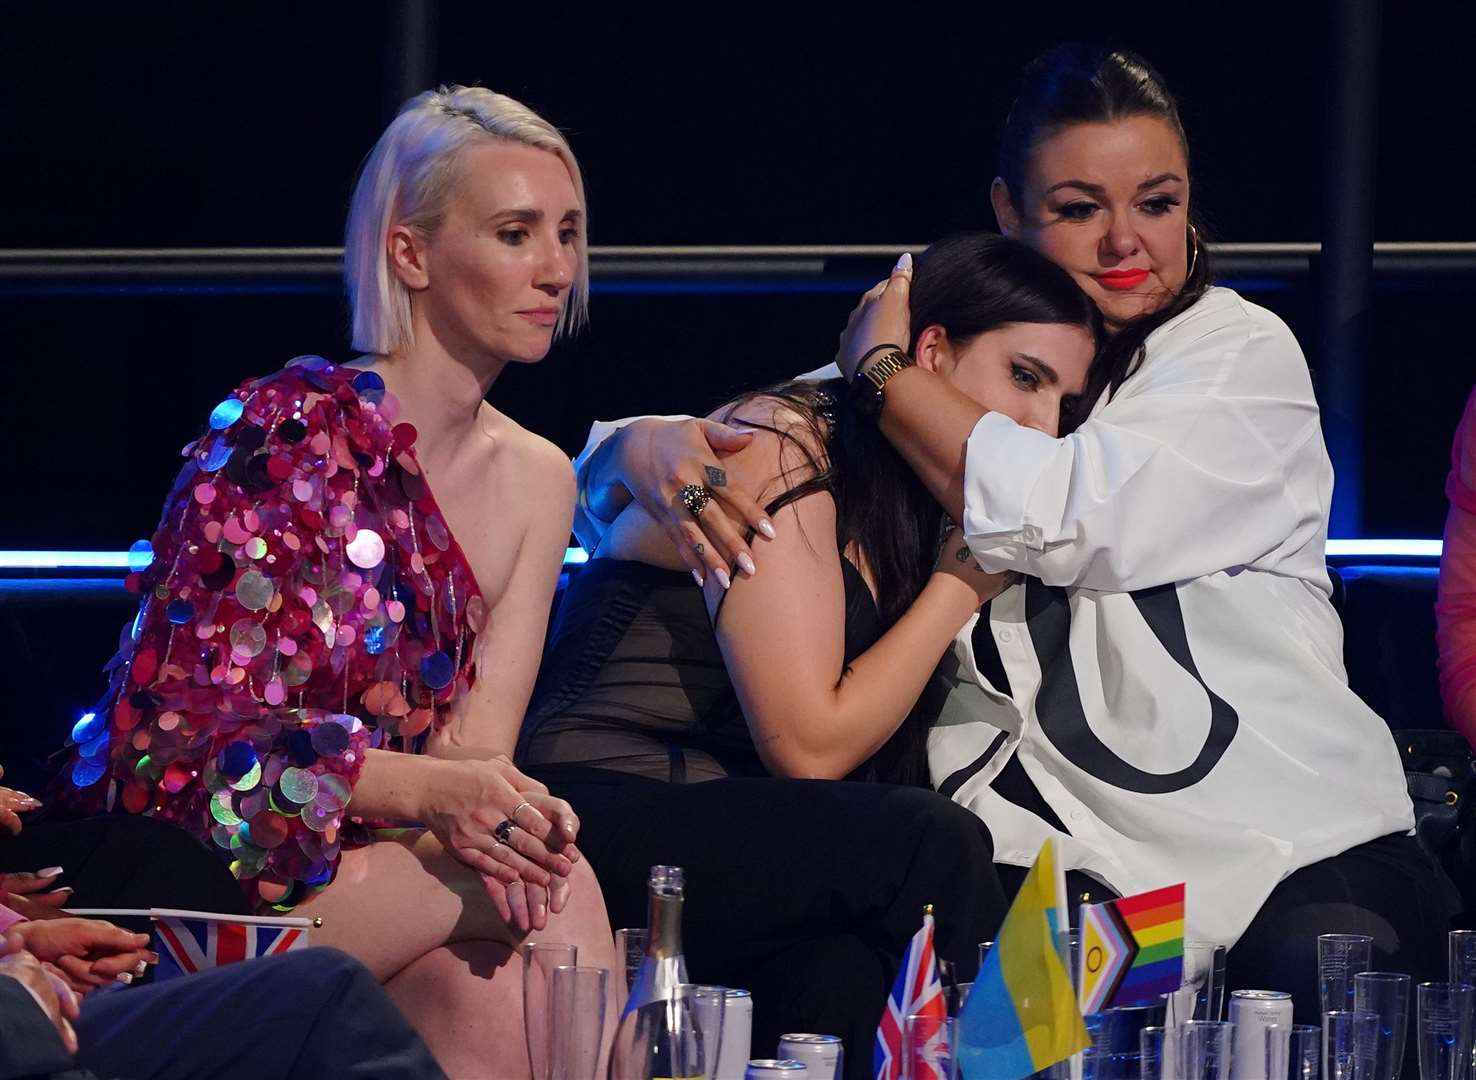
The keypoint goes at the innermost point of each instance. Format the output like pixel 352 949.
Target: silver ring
pixel 520 805
pixel 510 884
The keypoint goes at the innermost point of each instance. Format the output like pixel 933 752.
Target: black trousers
pixel 1387 888
pixel 303 1015
pixel 805 892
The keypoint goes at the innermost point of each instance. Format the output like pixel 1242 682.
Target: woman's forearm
pixel 601 478
pixel 929 422
pixel 852 721
pixel 392 786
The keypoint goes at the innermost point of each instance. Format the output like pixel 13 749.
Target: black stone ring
pixel 695 498
pixel 503 831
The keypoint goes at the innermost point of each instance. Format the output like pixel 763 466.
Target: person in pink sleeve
pixel 1455 607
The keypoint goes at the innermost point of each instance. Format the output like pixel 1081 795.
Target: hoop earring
pixel 1193 251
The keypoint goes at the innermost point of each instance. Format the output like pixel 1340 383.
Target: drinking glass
pixel 927 1044
pixel 1386 994
pixel 984 947
pixel 1339 958
pixel 1293 1052
pixel 707 1009
pixel 576 1021
pixel 539 961
pixel 1443 1019
pixel 1152 1045
pixel 956 995
pixel 1462 953
pixel 1349 1042
pixel 1201 993
pixel 1116 1050
pixel 1203 1049
pixel 630 950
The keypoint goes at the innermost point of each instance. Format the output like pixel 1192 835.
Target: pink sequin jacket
pixel 305 602
pixel 1455 610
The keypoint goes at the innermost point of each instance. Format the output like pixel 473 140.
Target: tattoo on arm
pixel 699 548
pixel 716 477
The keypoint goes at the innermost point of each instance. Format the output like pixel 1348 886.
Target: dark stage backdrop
pixel 193 125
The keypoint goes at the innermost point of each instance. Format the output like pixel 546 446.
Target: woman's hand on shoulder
pixel 956 563
pixel 527 874
pixel 661 457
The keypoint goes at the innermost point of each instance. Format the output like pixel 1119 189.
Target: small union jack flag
pixel 191 941
pixel 917 991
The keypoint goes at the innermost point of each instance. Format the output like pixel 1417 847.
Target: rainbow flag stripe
pixel 1132 949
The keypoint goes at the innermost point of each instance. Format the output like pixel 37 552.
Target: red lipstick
pixel 1122 280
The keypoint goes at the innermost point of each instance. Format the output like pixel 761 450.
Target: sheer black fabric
pixel 633 680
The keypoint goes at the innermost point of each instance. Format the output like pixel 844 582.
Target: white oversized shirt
pixel 1177 687
pixel 1177 691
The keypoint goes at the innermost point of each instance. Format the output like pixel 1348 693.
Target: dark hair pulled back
pixel 1092 84
pixel 968 284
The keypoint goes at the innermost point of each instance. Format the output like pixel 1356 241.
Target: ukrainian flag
pixel 1022 1016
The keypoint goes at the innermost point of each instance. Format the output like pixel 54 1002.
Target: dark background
pixel 165 126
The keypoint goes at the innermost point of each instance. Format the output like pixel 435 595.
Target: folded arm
pixel 1212 460
pixel 782 635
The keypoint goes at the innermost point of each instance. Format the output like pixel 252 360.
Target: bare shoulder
pixel 528 462
pixel 789 444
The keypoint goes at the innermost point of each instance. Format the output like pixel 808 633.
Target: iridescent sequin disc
pixel 254 591
pixel 217 456
pixel 140 555
pixel 366 550
pixel 248 639
pixel 227 413
pixel 299 785
pixel 329 739
pixel 437 670
pixel 332 794
pixel 250 780
pixel 179 612
pixel 369 386
pixel 88 771
pixel 237 759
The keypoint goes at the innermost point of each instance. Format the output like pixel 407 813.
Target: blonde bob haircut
pixel 409 178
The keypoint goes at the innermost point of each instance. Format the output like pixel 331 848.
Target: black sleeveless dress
pixel 803 891
pixel 633 680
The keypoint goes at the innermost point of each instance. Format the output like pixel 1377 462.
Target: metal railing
pixel 634 269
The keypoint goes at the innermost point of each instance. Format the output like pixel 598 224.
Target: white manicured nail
pixel 766 527
pixel 746 562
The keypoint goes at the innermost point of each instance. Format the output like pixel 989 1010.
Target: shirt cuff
pixel 1001 467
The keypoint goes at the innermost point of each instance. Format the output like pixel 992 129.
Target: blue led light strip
pixel 118 560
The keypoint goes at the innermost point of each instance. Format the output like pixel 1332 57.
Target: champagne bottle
pixel 658 1037
pixel 663 968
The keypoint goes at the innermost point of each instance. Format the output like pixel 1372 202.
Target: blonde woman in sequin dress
pixel 313 610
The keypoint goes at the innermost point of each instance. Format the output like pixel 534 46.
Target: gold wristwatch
pixel 866 387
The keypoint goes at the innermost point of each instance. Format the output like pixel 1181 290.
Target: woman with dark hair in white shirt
pixel 1165 693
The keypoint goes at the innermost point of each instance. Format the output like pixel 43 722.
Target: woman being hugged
pixel 719 729
pixel 351 579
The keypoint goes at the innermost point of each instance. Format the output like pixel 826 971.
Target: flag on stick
pixel 1132 950
pixel 191 941
pixel 917 991
pixel 1021 1016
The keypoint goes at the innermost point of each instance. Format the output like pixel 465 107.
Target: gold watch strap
pixel 888 365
